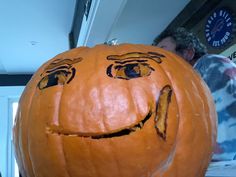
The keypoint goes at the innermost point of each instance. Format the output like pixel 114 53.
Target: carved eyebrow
pixel 59 62
pixel 129 61
pixel 126 56
pixel 149 55
pixel 62 67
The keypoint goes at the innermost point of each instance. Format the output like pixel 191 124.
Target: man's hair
pixel 183 40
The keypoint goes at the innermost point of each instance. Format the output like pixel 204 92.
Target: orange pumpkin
pixel 115 111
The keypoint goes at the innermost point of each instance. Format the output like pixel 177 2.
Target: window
pixel 13 170
pixel 14 106
pixel 9 97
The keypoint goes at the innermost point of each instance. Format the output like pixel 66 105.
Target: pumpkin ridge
pixel 171 157
pixel 178 133
pixel 27 139
pixel 64 154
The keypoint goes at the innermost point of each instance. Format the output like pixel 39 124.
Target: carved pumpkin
pixel 115 111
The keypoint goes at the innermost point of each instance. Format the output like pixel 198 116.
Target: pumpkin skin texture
pixel 129 110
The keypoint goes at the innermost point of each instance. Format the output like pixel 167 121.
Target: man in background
pixel 219 73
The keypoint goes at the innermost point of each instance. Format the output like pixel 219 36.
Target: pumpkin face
pixel 125 111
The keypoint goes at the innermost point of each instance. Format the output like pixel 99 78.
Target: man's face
pixel 169 44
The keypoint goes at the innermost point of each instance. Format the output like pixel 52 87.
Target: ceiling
pixel 33 31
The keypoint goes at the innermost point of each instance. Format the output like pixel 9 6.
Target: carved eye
pixel 59 77
pixel 129 71
pixel 59 72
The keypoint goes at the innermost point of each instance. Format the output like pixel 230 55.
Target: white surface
pixel 222 169
pixel 142 20
pixel 33 31
pixel 129 21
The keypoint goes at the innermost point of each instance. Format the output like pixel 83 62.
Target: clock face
pixel 218 28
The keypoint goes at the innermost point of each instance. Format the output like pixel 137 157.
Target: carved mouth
pixel 160 121
pixel 125 131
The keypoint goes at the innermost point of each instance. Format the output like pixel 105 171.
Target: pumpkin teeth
pixel 133 128
pixel 141 124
